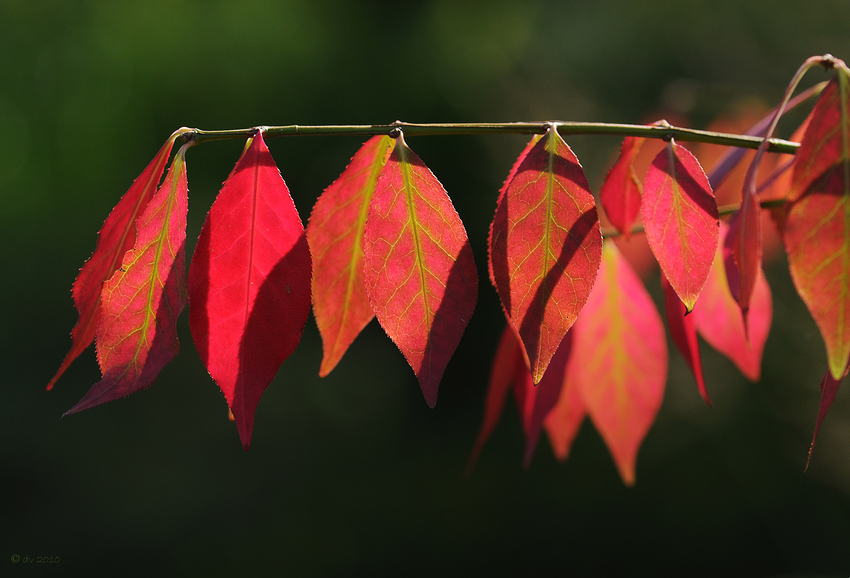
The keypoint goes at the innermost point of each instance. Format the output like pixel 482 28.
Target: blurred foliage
pixel 353 474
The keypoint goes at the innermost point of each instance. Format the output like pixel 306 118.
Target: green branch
pixel 722 211
pixel 660 130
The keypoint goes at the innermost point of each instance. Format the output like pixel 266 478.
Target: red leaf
pixel 249 283
pixel 490 239
pixel 335 234
pixel 743 249
pixel 816 230
pixel 563 422
pixel 137 335
pixel 828 390
pixel 115 238
pixel 619 362
pixel 621 192
pixel 419 270
pixel 681 220
pixel 545 248
pixel 718 318
pixel 506 363
pixel 683 331
pixel 535 402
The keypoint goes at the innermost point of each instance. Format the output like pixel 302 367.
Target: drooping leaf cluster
pixel 583 337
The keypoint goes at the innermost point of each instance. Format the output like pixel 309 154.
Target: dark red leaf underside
pixel 115 238
pixel 683 331
pixel 419 270
pixel 137 335
pixel 535 402
pixel 335 234
pixel 681 220
pixel 249 283
pixel 504 371
pixel 545 248
pixel 621 193
pixel 828 390
pixel 743 249
pixel 816 228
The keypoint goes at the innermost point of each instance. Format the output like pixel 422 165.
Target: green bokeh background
pixel 353 474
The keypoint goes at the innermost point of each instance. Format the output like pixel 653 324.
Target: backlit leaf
pixel 419 270
pixel 115 238
pixel 621 192
pixel 718 318
pixel 249 283
pixel 681 220
pixel 683 331
pixel 137 335
pixel 545 247
pixel 335 234
pixel 619 360
pixel 816 228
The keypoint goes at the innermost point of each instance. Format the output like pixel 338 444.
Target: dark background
pixel 353 474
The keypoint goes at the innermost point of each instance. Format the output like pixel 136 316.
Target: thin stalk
pixel 722 211
pixel 661 130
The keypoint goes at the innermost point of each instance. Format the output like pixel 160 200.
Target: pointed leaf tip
pixel 545 247
pixel 115 238
pixel 249 283
pixel 420 274
pixel 137 334
pixel 681 220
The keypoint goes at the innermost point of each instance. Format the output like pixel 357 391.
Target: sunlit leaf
pixel 249 283
pixel 681 220
pixel 621 192
pixel 545 247
pixel 816 227
pixel 115 238
pixel 619 360
pixel 335 234
pixel 419 270
pixel 137 335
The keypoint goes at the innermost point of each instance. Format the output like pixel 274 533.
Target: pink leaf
pixel 619 360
